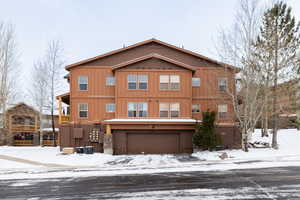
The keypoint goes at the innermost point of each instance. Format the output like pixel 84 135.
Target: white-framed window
pixel 110 108
pixel 174 109
pixel 142 82
pixel 196 82
pixel 110 81
pixel 164 109
pixel 222 84
pixel 169 82
pixel 137 82
pixel 196 108
pixel 83 83
pixel 222 111
pixel 169 110
pixel 139 109
pixel 83 110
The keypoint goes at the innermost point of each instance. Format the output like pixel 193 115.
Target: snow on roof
pixel 152 120
pixel 49 129
pixel 288 115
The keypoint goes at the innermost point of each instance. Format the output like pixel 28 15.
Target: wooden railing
pixel 49 142
pixel 65 119
pixel 23 142
pixel 23 128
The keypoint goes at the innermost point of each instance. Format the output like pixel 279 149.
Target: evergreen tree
pixel 205 136
pixel 277 46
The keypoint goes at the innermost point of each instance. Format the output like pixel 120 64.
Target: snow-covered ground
pixel 105 165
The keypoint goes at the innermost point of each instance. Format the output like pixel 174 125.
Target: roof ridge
pixel 146 42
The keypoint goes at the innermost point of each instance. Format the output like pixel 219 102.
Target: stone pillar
pixel 108 141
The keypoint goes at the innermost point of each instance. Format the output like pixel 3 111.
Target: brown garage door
pixel 152 143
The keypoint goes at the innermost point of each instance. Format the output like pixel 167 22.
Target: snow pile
pixel 153 160
pixel 288 140
pixel 100 164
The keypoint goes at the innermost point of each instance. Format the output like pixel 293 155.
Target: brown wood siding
pixel 98 94
pixel 148 49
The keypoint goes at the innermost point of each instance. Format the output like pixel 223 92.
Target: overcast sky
pixel 91 27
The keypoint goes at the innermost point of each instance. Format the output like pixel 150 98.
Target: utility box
pixel 68 150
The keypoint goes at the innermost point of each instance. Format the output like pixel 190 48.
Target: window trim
pixel 137 81
pixel 87 110
pixel 87 83
pixel 199 108
pixel 169 110
pixel 199 81
pixel 219 80
pixel 226 113
pixel 169 82
pixel 137 109
pixel 114 81
pixel 107 106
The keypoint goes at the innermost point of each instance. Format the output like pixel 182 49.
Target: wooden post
pixel 59 110
pixel 108 129
pixel 107 142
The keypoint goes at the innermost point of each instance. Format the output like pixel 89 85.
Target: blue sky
pixel 91 27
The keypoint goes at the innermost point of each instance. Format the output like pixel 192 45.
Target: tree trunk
pixel 53 128
pixel 275 117
pixel 244 141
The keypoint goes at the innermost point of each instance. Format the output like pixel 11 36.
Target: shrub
pixel 205 136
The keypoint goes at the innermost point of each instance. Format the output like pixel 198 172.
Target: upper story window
pixel 196 108
pixel 169 82
pixel 137 82
pixel 110 108
pixel 110 81
pixel 222 111
pixel 138 109
pixel 82 83
pixel 169 110
pixel 196 82
pixel 83 110
pixel 222 84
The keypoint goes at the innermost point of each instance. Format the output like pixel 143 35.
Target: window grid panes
pixel 167 110
pixel 138 109
pixel 196 82
pixel 83 110
pixel 222 111
pixel 222 83
pixel 169 82
pixel 83 82
pixel 139 82
pixel 110 81
pixel 195 108
pixel 110 108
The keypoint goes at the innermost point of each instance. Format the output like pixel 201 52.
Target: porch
pixel 64 108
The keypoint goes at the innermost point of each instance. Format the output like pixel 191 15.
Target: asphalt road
pixel 272 183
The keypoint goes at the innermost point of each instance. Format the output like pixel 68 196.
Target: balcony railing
pixel 65 119
pixel 23 128
pixel 23 142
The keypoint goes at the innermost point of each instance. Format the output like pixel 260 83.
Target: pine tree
pixel 205 136
pixel 277 46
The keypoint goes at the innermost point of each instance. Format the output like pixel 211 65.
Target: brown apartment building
pixel 148 97
pixel 22 127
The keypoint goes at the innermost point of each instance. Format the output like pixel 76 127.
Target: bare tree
pixel 40 91
pixel 235 46
pixel 8 65
pixel 47 80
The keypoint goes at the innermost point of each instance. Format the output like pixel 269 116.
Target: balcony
pixel 64 119
pixel 23 128
pixel 63 108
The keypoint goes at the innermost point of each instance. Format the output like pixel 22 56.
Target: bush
pixel 205 136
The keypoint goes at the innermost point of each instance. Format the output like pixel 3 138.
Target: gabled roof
pixel 68 67
pixel 153 55
pixel 22 104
